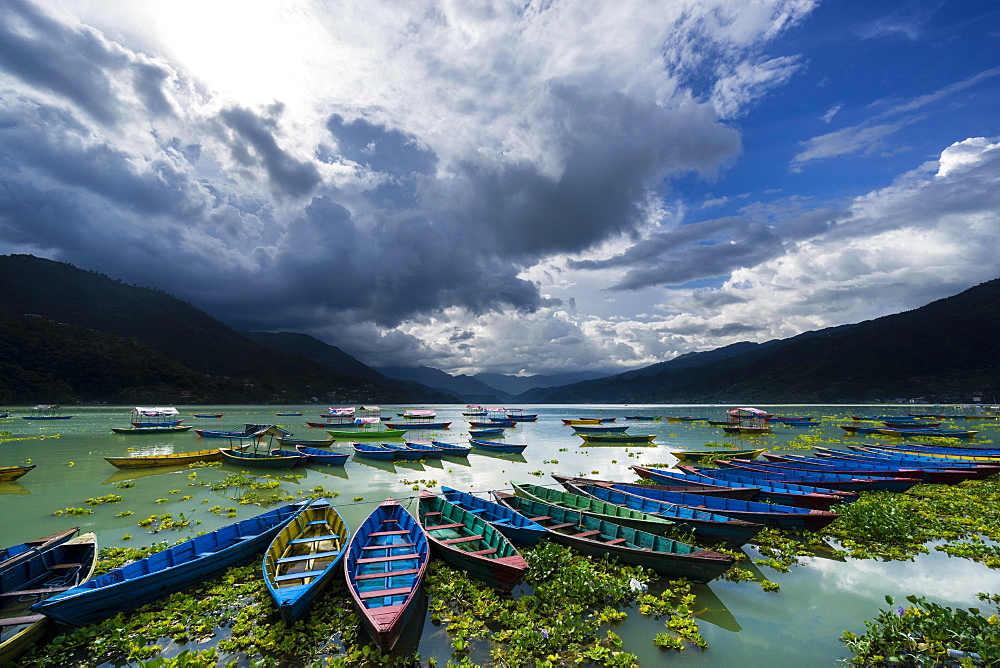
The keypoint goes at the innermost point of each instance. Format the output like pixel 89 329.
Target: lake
pixel 800 625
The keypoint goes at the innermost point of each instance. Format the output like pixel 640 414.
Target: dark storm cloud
pixel 251 139
pixel 380 148
pixel 711 248
pixel 75 63
pixel 616 147
pixel 734 329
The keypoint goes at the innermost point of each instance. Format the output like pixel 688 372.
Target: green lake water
pixel 800 625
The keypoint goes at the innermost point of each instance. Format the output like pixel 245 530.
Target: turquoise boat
pixel 518 529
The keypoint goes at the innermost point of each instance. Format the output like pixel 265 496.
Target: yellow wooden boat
pixel 8 473
pixel 582 421
pixel 143 461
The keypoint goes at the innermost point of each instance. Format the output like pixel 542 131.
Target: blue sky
pixel 510 187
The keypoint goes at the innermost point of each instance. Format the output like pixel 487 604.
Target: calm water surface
pixel 800 625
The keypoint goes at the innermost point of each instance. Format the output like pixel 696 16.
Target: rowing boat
pixel 384 568
pixel 15 553
pixel 697 455
pixel 453 450
pixel 170 429
pixel 467 542
pixel 171 570
pixel 260 459
pixel 178 458
pixel 497 447
pixel 308 442
pixel 365 434
pixel 701 487
pixel 46 573
pixel 768 514
pixel 618 439
pixel 598 538
pixel 304 558
pixel 404 451
pixel 428 451
pixel 374 451
pixel 317 456
pixel 8 473
pixel 707 526
pixel 819 479
pixel 772 491
pixel 517 528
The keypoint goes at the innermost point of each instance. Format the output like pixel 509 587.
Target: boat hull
pixel 151 430
pixel 494 446
pixel 517 528
pixel 259 461
pixel 8 473
pixel 363 435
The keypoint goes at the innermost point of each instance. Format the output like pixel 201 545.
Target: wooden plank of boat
pixel 404 451
pixel 317 456
pixel 469 543
pixel 144 461
pixel 260 459
pixel 700 487
pixel 15 553
pixel 772 491
pixel 208 415
pixel 870 469
pixel 638 548
pixel 417 425
pixel 304 558
pixel 693 455
pixel 517 528
pixel 8 473
pixel 490 431
pixel 600 429
pixel 47 572
pixel 496 446
pixel 171 570
pixel 615 505
pixel 768 514
pixel 384 568
pixel 151 430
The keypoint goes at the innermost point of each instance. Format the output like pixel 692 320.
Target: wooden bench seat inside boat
pixel 314 539
pixel 385 592
pixel 386 547
pixel 17 621
pixel 390 574
pixel 586 534
pixel 398 532
pixel 615 541
pixel 446 526
pixel 466 539
pixel 374 560
pixel 562 526
pixel 299 576
pixel 492 550
pixel 306 557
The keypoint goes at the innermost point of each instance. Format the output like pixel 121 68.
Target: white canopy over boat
pixel 162 411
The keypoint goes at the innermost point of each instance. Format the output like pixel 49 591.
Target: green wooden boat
pixel 592 507
pixel 469 543
pixel 598 538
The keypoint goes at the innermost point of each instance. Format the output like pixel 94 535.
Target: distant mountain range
pixel 69 334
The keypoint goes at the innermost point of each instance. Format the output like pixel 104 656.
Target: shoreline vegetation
pixel 569 613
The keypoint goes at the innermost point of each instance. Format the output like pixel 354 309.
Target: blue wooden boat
pixel 492 424
pixel 469 543
pixel 705 487
pixel 598 538
pixel 497 447
pixel 317 456
pixel 171 570
pixel 15 553
pixel 884 484
pixel 157 423
pixel 308 442
pixel 372 451
pixel 929 433
pixel 404 452
pixel 429 451
pixel 768 514
pixel 42 574
pixel 977 469
pixel 829 484
pixel 653 517
pixel 303 457
pixel 491 431
pixel 868 469
pixel 208 415
pixel 288 414
pixel 517 528
pixel 304 558
pixel 384 568
pixel 772 491
pixel 453 450
pixel 215 433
